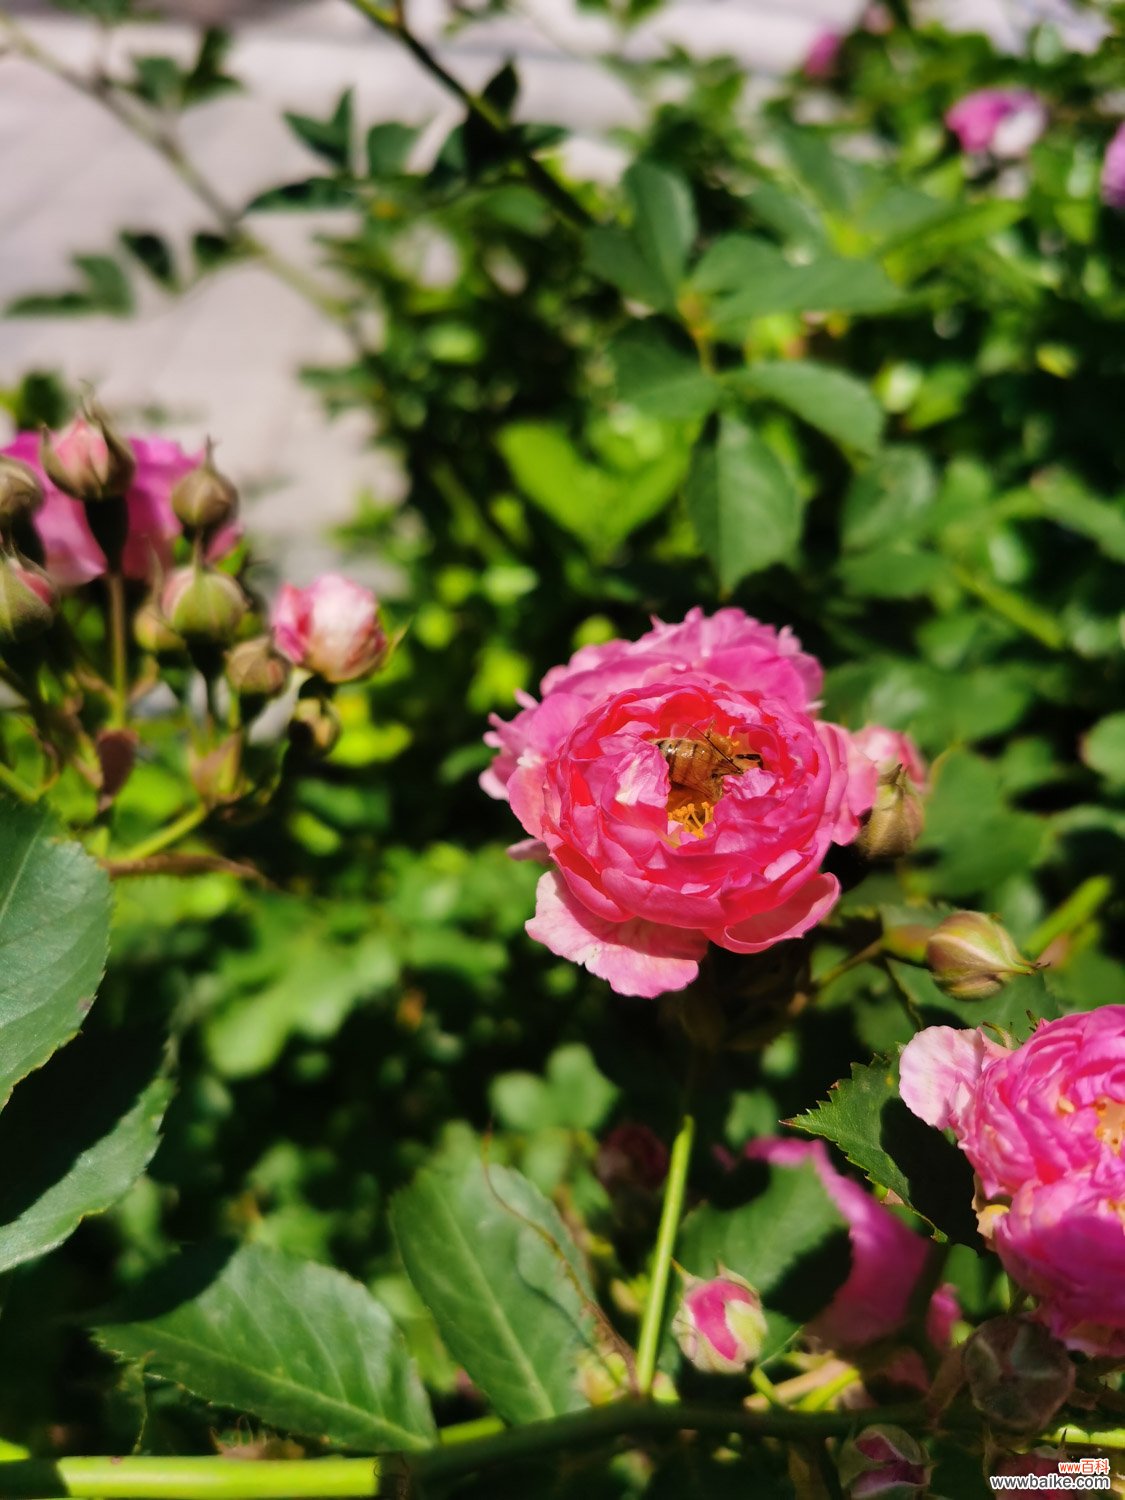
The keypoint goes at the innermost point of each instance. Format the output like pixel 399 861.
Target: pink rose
pixel 648 869
pixel 332 628
pixel 887 1260
pixel 73 557
pixel 1043 1126
pixel 728 645
pixel 821 58
pixel 1004 122
pixel 1113 172
pixel 643 879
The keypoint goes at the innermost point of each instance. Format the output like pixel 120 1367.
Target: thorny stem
pixel 119 671
pixel 652 1321
pixel 159 136
pixel 391 20
pixel 343 1478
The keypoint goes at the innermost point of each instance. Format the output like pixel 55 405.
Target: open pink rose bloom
pixel 71 555
pixel 647 868
pixel 1043 1126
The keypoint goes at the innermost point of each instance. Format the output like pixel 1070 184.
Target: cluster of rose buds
pixel 159 528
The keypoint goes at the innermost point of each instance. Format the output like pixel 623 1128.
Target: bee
pixel 696 768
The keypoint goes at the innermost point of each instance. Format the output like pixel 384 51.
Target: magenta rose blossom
pixel 648 872
pixel 331 628
pixel 1004 122
pixel 1113 172
pixel 73 557
pixel 821 58
pixel 1043 1126
pixel 887 1261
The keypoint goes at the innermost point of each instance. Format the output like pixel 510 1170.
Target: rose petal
pixel 938 1071
pixel 635 957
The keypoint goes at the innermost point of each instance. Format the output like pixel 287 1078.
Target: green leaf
pixel 1064 500
pixel 828 284
pixel 657 377
pixel 105 289
pixel 889 500
pixel 330 138
pixel 664 224
pixel 978 840
pixel 1023 997
pixel 54 933
pixel 786 1242
pixel 599 506
pixel 1103 748
pixel 494 1263
pixel 648 260
pixel 152 252
pixel 895 572
pixel 313 195
pixel 388 146
pixel 80 1147
pixel 575 1095
pixel 734 261
pixel 297 1345
pixel 865 1117
pixel 830 400
pixel 745 508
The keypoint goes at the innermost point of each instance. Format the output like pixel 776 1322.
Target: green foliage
pixel 495 1264
pixel 297 1345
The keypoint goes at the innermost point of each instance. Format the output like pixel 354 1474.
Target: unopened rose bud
pixel 28 600
pixel 217 776
pixel 896 820
pixel 971 957
pixel 884 1461
pixel 314 726
pixel 331 628
pixel 90 460
pixel 152 632
pixel 1018 1374
pixel 203 605
pixel 719 1324
pixel 21 493
pixel 204 499
pixel 255 670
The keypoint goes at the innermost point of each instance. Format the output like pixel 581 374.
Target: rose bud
pixel 331 628
pixel 1113 172
pixel 971 957
pixel 217 775
pixel 28 601
pixel 1018 1374
pixel 152 632
pixel 895 822
pixel 204 499
pixel 314 726
pixel 21 493
pixel 204 605
pixel 885 1462
pixel 719 1324
pixel 255 670
pixel 631 1156
pixel 90 461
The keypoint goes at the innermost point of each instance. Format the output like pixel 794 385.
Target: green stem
pixel 192 1478
pixel 16 785
pixel 119 668
pixel 1078 909
pixel 216 1478
pixel 171 833
pixel 1014 608
pixel 1107 1437
pixel 393 23
pixel 653 1320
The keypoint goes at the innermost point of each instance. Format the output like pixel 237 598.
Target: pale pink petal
pixel 529 849
pixel 635 957
pixel 939 1071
